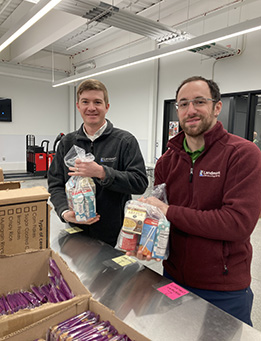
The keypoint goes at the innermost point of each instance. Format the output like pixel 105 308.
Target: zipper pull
pixel 191 174
pixel 225 270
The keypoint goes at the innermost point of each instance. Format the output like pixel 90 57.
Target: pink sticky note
pixel 173 291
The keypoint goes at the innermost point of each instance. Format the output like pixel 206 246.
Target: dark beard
pixel 202 128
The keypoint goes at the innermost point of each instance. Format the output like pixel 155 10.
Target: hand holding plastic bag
pixel 159 192
pixel 145 230
pixel 80 191
pixel 77 153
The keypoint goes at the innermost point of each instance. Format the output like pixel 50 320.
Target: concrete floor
pixel 157 266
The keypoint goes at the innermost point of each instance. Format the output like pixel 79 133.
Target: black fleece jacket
pixel 119 153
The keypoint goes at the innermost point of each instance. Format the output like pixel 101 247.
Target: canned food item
pixel 128 241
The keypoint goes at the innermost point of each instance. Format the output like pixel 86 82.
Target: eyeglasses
pixel 197 103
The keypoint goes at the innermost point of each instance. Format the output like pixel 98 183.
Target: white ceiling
pixel 79 32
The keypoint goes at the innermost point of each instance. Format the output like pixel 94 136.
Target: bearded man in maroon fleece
pixel 212 180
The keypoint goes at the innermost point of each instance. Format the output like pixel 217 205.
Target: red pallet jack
pixel 52 153
pixel 36 156
pixel 38 159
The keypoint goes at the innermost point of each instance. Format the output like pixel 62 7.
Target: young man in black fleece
pixel 118 170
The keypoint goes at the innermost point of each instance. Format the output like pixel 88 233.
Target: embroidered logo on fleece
pixel 108 159
pixel 209 174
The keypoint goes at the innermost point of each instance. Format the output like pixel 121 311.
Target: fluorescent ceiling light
pixel 33 1
pixel 222 34
pixel 36 13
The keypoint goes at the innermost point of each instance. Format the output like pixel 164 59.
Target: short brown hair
pixel 213 87
pixel 93 84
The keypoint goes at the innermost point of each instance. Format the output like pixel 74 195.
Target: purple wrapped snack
pixel 79 328
pixel 98 329
pixel 45 289
pixel 68 324
pixel 53 297
pixel 94 337
pixel 39 294
pixel 2 307
pixel 21 300
pixel 11 302
pixel 6 305
pixel 53 280
pixel 120 337
pixel 64 288
pixel 60 295
pixel 70 333
pixel 17 301
pixel 54 268
pixel 31 298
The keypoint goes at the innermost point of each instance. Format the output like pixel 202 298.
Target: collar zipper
pixel 191 172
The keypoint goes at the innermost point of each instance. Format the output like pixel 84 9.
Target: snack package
pixel 86 326
pixel 134 218
pixel 145 228
pixel 80 191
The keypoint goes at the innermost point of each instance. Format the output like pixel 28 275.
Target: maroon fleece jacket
pixel 213 213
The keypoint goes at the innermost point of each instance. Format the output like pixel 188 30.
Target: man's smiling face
pixel 195 121
pixel 92 108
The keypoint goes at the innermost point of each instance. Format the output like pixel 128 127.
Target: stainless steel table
pixel 131 291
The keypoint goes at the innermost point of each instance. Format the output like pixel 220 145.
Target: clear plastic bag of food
pixel 145 228
pixel 80 191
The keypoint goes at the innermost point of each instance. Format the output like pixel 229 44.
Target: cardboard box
pixel 24 219
pixel 39 329
pixel 1 175
pixel 7 184
pixel 19 272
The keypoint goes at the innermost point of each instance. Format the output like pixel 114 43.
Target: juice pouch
pixel 160 249
pixel 148 235
pixel 79 206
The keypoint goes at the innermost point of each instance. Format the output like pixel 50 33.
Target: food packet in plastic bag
pixel 145 227
pixel 80 191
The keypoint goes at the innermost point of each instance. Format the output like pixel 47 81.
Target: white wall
pixel 37 109
pixel 44 111
pixel 131 93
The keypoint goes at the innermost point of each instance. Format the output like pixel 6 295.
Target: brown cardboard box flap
pixel 23 195
pixel 22 270
pixel 1 175
pixel 9 185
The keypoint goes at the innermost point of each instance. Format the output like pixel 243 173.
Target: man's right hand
pixel 69 216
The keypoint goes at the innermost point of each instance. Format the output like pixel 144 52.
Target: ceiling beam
pixel 46 31
pixel 208 38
